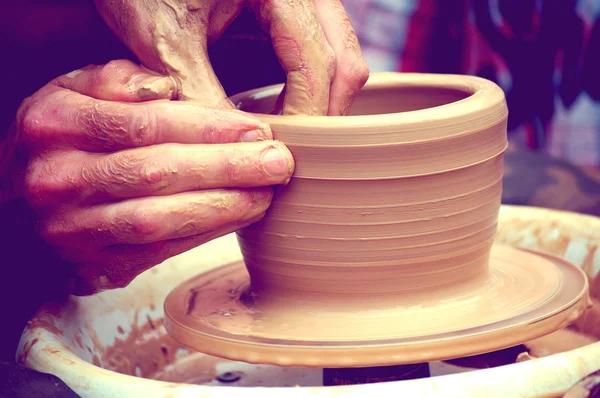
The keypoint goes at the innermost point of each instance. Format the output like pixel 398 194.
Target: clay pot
pixel 401 198
pixel 379 251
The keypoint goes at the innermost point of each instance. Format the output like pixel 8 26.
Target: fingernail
pixel 275 162
pixel 251 136
pixel 260 195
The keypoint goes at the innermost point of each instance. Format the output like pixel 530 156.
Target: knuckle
pixel 61 231
pixel 128 168
pixel 104 73
pixel 355 76
pixel 29 121
pixel 261 199
pixel 228 126
pixel 234 167
pixel 153 177
pixel 33 182
pixel 142 124
pixel 362 73
pixel 114 71
pixel 51 229
pixel 142 223
pixel 102 122
pixel 42 184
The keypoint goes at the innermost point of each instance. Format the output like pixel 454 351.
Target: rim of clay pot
pixel 483 106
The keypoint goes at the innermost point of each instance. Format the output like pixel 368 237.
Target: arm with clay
pixel 314 42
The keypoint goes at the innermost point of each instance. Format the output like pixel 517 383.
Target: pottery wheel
pixel 524 295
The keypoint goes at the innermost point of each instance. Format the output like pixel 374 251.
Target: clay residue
pixel 146 350
pixel 25 352
pixel 45 321
pixel 149 352
pixel 159 88
pixel 178 43
pixel 192 369
pixel 50 314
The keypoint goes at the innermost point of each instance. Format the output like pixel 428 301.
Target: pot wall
pixel 377 203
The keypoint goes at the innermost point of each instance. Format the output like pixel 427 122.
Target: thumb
pixel 120 80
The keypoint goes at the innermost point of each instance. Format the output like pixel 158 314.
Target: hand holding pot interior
pixel 314 42
pixel 116 190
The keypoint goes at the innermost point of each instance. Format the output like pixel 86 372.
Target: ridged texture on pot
pixel 384 204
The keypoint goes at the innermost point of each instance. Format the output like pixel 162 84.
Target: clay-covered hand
pixel 313 40
pixel 122 178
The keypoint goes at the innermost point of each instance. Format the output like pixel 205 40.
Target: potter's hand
pixel 116 191
pixel 314 41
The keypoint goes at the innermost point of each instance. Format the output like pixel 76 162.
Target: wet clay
pixel 216 313
pixel 147 351
pixel 174 35
pixel 144 352
pixel 379 249
pixel 176 27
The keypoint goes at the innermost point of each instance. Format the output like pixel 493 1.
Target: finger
pixel 154 219
pixel 164 170
pixel 120 80
pixel 66 118
pixel 120 264
pixel 351 71
pixel 303 51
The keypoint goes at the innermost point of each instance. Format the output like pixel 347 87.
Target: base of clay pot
pixel 525 295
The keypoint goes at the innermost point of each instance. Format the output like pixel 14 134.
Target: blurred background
pixel 545 54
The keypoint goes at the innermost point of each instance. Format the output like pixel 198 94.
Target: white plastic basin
pixel 113 344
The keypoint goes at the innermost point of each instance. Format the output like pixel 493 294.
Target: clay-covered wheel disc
pixel 524 295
